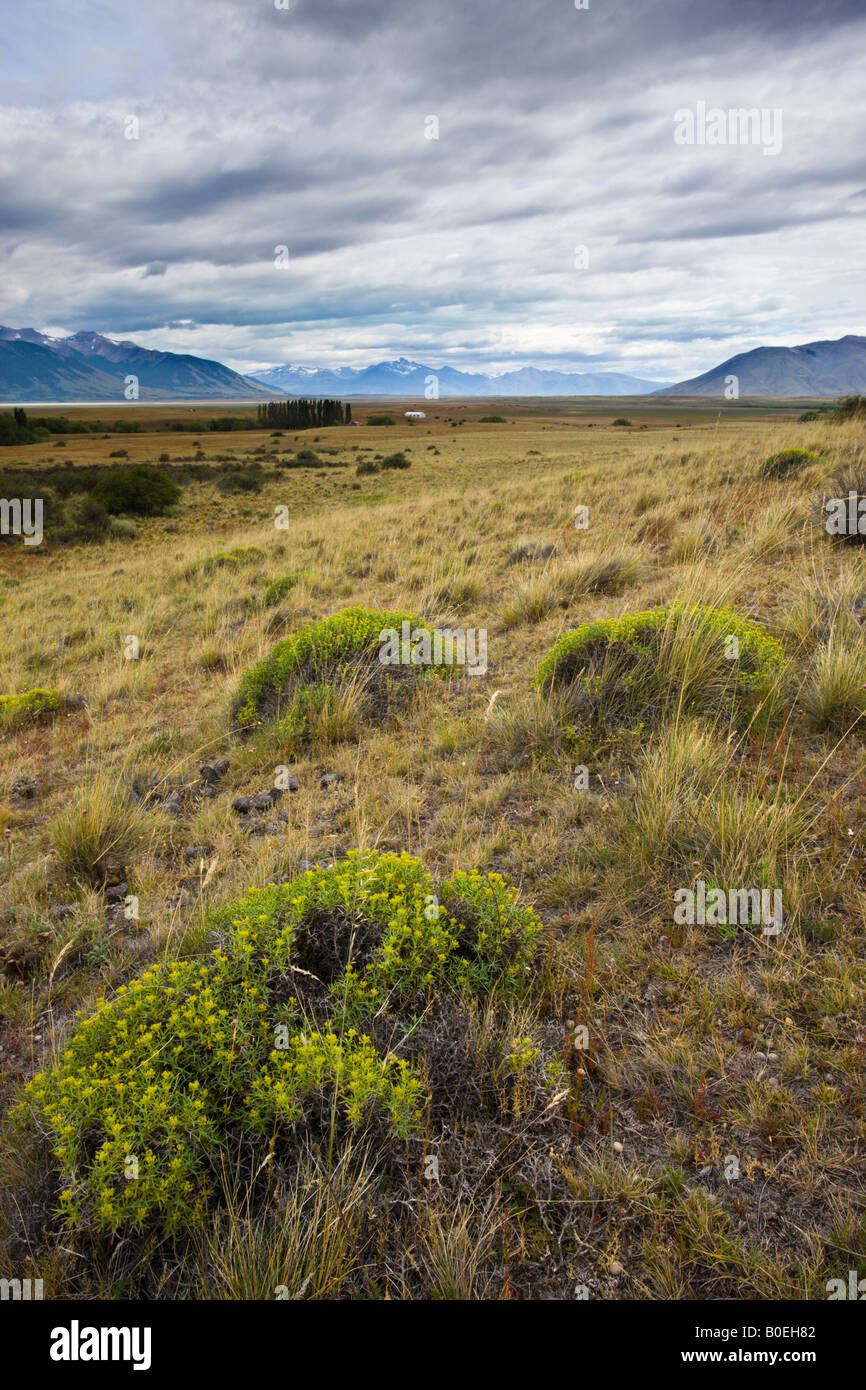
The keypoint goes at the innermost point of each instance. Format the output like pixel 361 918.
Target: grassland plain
pixel 665 1111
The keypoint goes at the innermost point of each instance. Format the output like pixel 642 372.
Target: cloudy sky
pixel 155 154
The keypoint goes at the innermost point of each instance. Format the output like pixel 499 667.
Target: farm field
pixel 610 1103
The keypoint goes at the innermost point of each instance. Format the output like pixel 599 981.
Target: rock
pixel 211 773
pixel 25 787
pixel 263 802
pixel 75 701
pixel 173 805
pixel 616 1268
pixel 242 805
pixel 273 827
pixel 292 785
pixel 530 552
pixel 329 780
pixel 63 910
pixel 116 894
pixel 193 852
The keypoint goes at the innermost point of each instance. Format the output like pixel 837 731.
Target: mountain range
pixel 832 367
pixel 405 378
pixel 89 367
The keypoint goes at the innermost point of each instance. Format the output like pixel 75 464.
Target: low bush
pixel 290 677
pixel 787 462
pixel 140 490
pixel 30 707
pixel 276 592
pixel 302 1022
pixel 646 666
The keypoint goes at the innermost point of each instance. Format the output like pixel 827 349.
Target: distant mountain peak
pixel 87 366
pixel 828 367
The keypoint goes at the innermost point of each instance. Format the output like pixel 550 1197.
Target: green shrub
pixel 310 657
pixel 663 662
pixel 141 490
pixel 786 462
pixel 276 592
pixel 380 420
pixel 367 466
pixel 30 707
pixel 492 420
pixel 230 559
pixel 396 461
pixel 621 420
pixel 290 1029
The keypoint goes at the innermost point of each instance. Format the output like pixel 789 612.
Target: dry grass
pixel 701 1044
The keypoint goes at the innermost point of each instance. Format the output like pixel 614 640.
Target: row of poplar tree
pixel 304 415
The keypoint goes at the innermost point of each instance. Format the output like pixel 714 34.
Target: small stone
pixel 329 780
pixel 263 802
pixel 63 910
pixel 116 894
pixel 617 1148
pixel 273 827
pixel 221 766
pixel 242 805
pixel 195 852
pixel 616 1268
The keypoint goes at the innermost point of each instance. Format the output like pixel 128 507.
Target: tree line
pixel 303 415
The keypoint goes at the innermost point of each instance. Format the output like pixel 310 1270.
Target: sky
pixel 487 184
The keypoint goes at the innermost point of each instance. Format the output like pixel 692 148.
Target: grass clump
pixel 787 462
pixel 96 835
pixel 686 657
pixel 30 707
pixel 298 1025
pixel 293 678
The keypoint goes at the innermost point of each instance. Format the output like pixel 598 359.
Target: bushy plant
pixel 300 1020
pixel 310 658
pixel 787 462
pixel 279 589
pixel 141 490
pixel 30 707
pixel 231 559
pixel 645 665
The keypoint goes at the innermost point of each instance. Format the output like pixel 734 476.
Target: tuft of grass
pixel 833 696
pixel 96 836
